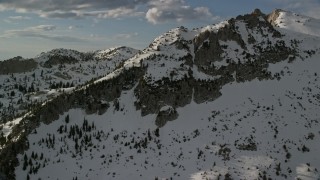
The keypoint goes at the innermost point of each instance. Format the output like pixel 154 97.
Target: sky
pixel 29 27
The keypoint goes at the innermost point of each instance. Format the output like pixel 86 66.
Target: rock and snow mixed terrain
pixel 51 73
pixel 296 22
pixel 236 100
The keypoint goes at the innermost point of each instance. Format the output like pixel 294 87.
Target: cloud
pixel 19 18
pixel 167 10
pixel 74 8
pixel 113 13
pixel 155 11
pixel 73 27
pixel 60 14
pixel 14 19
pixel 126 35
pixel 42 32
pixel 41 28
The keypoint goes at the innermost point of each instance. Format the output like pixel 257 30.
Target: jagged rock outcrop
pixel 151 99
pixel 257 12
pixel 166 113
pixel 272 17
pixel 209 52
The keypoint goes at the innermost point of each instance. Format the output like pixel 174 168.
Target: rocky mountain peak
pixel 295 23
pixel 272 17
pixel 257 12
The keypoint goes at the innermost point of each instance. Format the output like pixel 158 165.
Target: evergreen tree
pixel 25 165
pixel 156 132
pixel 67 119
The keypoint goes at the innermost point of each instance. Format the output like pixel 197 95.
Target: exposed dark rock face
pixel 165 115
pixel 17 65
pixel 207 90
pixel 151 99
pixel 209 52
pixel 257 12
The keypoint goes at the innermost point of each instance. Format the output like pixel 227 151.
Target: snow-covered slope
pixel 255 129
pixel 296 22
pixel 236 100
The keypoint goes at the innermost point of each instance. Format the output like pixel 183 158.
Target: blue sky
pixel 29 27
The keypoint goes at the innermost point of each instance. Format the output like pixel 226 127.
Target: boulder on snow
pixel 166 113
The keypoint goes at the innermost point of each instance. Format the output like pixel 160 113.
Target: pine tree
pixel 25 165
pixel 12 93
pixel 156 132
pixel 76 145
pixel 67 119
pixel 149 135
pixel 25 157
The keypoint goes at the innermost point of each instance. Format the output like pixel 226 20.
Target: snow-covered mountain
pixel 24 82
pixel 234 100
pixel 295 22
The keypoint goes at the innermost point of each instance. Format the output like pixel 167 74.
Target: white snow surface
pixel 214 28
pixel 298 23
pixel 7 127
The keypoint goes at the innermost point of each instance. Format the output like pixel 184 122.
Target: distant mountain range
pixel 234 100
pixel 24 82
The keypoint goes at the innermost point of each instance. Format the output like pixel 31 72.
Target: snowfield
pixel 298 23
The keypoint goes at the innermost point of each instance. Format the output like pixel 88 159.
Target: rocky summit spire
pixel 257 12
pixel 272 17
